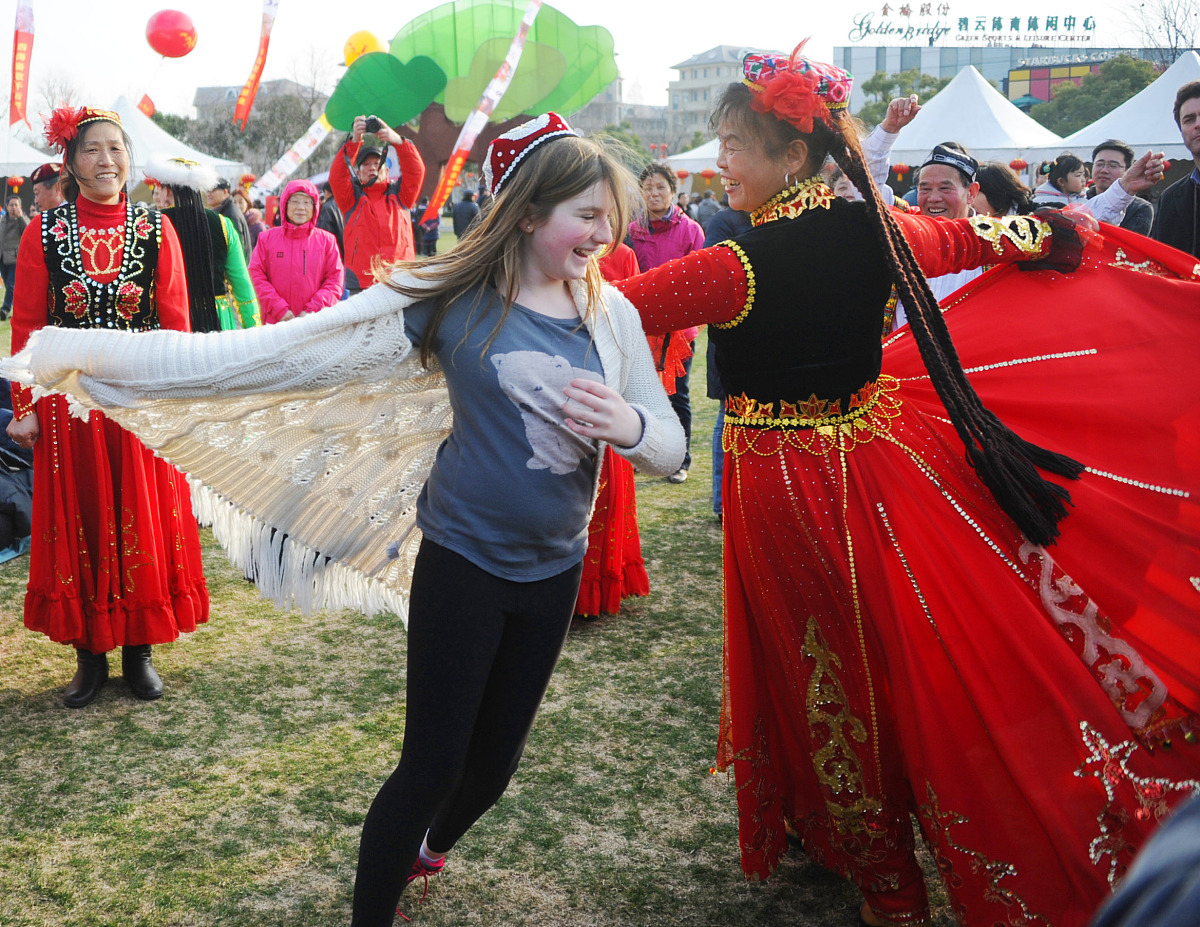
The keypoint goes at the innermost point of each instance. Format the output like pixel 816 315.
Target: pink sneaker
pixel 423 870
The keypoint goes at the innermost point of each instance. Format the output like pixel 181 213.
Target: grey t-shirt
pixel 512 486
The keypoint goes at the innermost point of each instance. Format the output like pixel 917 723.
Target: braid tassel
pixel 1007 464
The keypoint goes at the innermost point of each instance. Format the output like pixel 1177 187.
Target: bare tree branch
pixel 1167 27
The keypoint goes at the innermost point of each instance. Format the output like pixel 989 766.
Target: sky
pixel 101 51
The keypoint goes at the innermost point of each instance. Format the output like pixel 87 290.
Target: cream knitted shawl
pixel 323 428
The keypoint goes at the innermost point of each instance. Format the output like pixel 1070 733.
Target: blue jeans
pixel 10 276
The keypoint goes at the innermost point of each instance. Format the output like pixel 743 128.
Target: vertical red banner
pixel 22 51
pixel 245 100
pixel 146 105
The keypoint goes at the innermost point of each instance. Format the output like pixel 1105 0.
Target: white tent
pixel 1144 121
pixel 696 160
pixel 20 160
pixel 973 113
pixel 149 138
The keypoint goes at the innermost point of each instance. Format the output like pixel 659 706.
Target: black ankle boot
pixel 139 672
pixel 90 676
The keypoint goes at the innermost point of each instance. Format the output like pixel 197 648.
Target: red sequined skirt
pixel 894 645
pixel 115 555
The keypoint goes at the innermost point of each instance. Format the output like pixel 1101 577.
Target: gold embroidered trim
pixel 937 824
pixel 835 762
pixel 812 193
pixel 1026 234
pixel 750 288
pixel 815 425
pixel 1153 268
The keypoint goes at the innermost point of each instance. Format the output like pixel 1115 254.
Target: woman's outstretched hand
pixel 595 410
pixel 25 431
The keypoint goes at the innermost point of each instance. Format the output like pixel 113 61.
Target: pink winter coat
pixel 656 241
pixel 296 267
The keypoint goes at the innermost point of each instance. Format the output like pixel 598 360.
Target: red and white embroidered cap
pixel 507 150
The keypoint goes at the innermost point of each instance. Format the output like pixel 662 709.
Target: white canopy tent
pixel 20 160
pixel 1145 121
pixel 696 160
pixel 975 114
pixel 149 138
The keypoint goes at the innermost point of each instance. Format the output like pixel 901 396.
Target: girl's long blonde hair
pixel 491 253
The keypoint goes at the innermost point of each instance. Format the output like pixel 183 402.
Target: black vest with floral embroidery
pixel 75 300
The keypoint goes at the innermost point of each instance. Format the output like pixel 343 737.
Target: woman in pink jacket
pixel 296 267
pixel 662 234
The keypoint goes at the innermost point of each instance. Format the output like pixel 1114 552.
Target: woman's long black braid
pixel 1006 463
pixel 191 226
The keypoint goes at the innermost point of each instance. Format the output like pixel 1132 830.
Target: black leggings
pixel 480 654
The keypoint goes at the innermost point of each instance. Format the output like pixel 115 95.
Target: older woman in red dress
pixel 900 638
pixel 115 556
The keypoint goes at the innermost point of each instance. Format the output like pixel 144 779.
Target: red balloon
pixel 171 33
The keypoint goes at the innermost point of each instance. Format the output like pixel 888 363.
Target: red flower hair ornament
pixel 64 123
pixel 795 89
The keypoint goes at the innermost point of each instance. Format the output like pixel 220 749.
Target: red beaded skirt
pixel 115 555
pixel 895 646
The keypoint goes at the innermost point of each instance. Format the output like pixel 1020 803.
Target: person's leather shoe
pixel 140 674
pixel 91 674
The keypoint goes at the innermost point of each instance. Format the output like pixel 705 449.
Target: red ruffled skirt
pixel 612 567
pixel 115 556
pixel 894 645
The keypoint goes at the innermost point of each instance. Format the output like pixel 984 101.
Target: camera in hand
pixel 374 124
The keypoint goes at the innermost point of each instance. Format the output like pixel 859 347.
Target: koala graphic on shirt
pixel 534 382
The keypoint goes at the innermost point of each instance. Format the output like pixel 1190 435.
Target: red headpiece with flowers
pixel 795 89
pixel 64 123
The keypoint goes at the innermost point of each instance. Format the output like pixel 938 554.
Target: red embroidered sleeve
pixel 947 246
pixel 711 286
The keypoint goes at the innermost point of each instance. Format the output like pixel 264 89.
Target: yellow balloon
pixel 359 44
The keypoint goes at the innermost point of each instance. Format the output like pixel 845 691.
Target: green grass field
pixel 237 799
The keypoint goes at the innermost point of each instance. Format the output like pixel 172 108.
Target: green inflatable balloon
pixel 569 66
pixel 541 67
pixel 382 85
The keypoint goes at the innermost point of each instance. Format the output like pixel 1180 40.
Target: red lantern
pixel 901 169
pixel 708 173
pixel 171 33
pixel 653 147
pixel 683 175
pixel 15 182
pixel 247 180
pixel 1018 164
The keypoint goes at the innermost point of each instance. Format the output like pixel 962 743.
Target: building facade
pixel 1025 74
pixel 701 80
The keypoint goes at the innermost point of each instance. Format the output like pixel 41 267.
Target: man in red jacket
pixel 376 210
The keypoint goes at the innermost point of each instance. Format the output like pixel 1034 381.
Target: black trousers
pixel 480 653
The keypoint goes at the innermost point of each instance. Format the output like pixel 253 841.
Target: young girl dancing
pixel 545 366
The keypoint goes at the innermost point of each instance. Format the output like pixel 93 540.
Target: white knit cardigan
pixel 323 428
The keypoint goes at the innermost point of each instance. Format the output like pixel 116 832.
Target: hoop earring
pixel 787 179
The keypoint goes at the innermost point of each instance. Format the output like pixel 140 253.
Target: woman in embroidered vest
pixel 898 637
pixel 115 557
